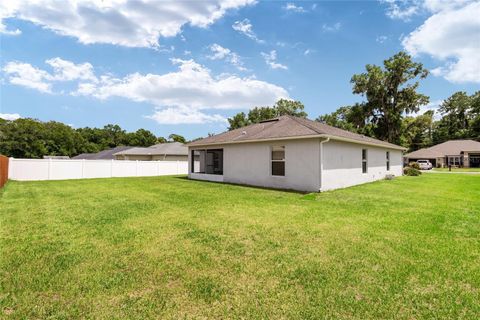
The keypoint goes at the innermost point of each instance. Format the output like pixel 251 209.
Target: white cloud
pixel 271 60
pixel 66 70
pixel 218 52
pixel 192 86
pixel 10 116
pixel 184 116
pixel 406 9
pixel 7 10
pixel 178 96
pixel 246 28
pixel 221 53
pixel 331 28
pixel 293 7
pixel 381 39
pixel 24 74
pixel 120 22
pixel 402 9
pixel 450 35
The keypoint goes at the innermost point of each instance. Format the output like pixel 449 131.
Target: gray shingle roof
pixel 288 127
pixel 102 155
pixel 170 148
pixel 448 148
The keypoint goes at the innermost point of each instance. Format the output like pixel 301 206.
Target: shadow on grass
pixel 245 186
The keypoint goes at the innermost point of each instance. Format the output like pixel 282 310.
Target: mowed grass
pixel 458 169
pixel 170 248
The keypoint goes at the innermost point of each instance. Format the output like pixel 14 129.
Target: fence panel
pixel 56 169
pixel 3 170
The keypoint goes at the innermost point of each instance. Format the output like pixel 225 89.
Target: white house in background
pixel 293 153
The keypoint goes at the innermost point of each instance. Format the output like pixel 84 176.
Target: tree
pixel 22 138
pixel 391 92
pixel 61 140
pixel 417 131
pixel 141 138
pixel 455 122
pixel 257 114
pixel 161 140
pixel 352 118
pixel 475 116
pixel 237 121
pixel 177 138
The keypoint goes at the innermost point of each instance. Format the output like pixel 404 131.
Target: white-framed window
pixel 388 160
pixel 454 160
pixel 278 161
pixel 364 161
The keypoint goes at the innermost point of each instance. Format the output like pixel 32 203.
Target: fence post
pixel 111 168
pixel 83 168
pixel 49 168
pixel 158 168
pixel 136 168
pixel 177 165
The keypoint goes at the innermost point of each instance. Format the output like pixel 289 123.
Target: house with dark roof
pixel 102 155
pixel 460 153
pixel 170 151
pixel 293 153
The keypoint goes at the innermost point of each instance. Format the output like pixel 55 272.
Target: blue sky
pixel 184 67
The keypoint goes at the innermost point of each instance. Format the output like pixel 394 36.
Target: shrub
pixel 414 165
pixel 409 171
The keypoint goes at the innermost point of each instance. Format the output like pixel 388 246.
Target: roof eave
pixel 296 138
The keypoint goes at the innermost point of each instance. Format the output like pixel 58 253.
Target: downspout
pixel 321 162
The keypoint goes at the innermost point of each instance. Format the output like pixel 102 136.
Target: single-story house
pixel 461 153
pixel 102 155
pixel 170 151
pixel 293 153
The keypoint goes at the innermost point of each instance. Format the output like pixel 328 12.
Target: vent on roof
pixel 244 133
pixel 269 120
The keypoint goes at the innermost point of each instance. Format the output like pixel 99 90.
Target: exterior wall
pixel 206 177
pixel 342 164
pixel 250 164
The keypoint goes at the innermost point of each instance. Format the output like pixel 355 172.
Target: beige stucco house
pixel 460 153
pixel 171 151
pixel 293 153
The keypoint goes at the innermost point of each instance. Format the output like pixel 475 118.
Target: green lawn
pixel 169 248
pixel 458 169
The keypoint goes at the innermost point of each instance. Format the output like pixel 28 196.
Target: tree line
pixel 388 112
pixel 31 138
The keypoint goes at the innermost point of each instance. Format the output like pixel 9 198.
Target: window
pixel 388 160
pixel 454 161
pixel 364 161
pixel 278 161
pixel 208 161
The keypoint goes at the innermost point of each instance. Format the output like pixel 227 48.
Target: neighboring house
pixel 462 153
pixel 102 155
pixel 171 151
pixel 293 153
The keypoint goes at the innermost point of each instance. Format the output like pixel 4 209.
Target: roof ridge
pixel 307 125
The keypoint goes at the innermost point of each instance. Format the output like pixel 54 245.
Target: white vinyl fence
pixel 56 169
